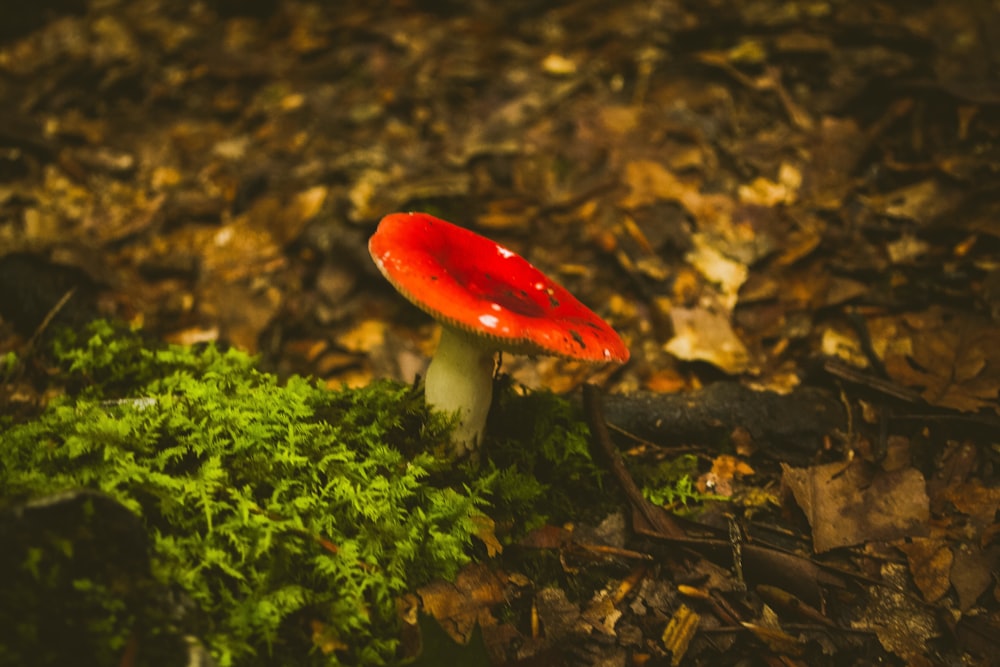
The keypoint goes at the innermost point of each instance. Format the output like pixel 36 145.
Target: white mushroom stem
pixel 460 380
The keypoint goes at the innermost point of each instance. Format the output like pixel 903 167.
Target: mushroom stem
pixel 460 379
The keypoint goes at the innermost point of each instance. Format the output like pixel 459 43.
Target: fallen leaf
pixel 857 503
pixel 972 572
pixel 701 335
pixel 241 311
pixel 719 269
pixel 922 202
pixel 304 206
pixel 972 498
pixel 486 532
pixel 720 478
pixel 558 616
pixel 601 614
pixel 764 192
pixel 951 357
pixel 558 65
pixel 618 120
pixel 547 537
pixel 906 249
pixel 325 639
pixel 366 336
pixel 460 606
pixel 902 622
pixel 930 564
pixel 839 146
pixel 650 182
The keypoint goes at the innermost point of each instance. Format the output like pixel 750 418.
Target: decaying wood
pixel 793 425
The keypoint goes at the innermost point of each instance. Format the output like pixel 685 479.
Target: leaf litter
pixel 785 196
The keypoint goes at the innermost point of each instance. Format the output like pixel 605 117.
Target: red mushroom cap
pixel 474 284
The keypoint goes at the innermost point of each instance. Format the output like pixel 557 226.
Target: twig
pixel 50 316
pixel 659 521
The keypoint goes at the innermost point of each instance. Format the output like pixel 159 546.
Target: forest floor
pixel 781 195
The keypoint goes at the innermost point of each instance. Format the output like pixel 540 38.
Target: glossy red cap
pixel 471 283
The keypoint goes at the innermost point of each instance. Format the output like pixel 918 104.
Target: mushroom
pixel 487 299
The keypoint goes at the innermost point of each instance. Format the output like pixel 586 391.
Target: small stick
pixel 659 521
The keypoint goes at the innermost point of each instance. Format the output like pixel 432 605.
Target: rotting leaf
pixel 930 564
pixel 839 146
pixel 650 182
pixel 486 532
pixel 902 623
pixel 461 606
pixel 601 614
pixel 438 647
pixel 952 357
pixel 922 202
pixel 559 616
pixel 972 572
pixel 719 479
pixel 854 504
pixel 972 498
pixel 547 537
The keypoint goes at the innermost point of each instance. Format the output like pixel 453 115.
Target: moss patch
pixel 284 519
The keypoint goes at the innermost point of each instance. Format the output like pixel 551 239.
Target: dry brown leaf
pixel 366 336
pixel 235 251
pixel 665 381
pixel 486 532
pixel 558 65
pixel 241 311
pixel 547 537
pixel 701 335
pixel 930 564
pixel 953 358
pixel 972 572
pixel 458 607
pixel 857 503
pixel 325 638
pixel 304 206
pixel 601 614
pixel 719 479
pixel 922 202
pixel 728 274
pixel 902 623
pixel 972 498
pixel 906 249
pixel 618 120
pixel 764 192
pixel 650 182
pixel 557 615
pixel 839 145
pixel 193 336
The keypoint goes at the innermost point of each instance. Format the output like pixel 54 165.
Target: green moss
pixel 671 483
pixel 284 518
pixel 272 506
pixel 539 455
